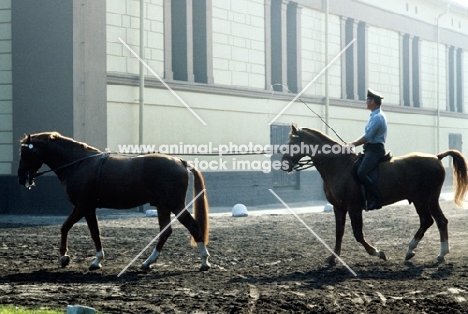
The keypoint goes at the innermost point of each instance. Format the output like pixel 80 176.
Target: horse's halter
pixel 26 162
pixel 31 172
pixel 304 163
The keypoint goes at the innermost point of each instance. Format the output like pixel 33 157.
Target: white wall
pixel 384 63
pixel 426 11
pixel 465 80
pixel 229 119
pixel 239 43
pixel 239 62
pixel 313 52
pixel 123 21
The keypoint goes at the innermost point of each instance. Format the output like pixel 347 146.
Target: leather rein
pixel 37 174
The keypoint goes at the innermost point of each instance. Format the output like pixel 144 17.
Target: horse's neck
pixel 336 171
pixel 330 158
pixel 57 155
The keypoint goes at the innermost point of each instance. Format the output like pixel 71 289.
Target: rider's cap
pixel 373 94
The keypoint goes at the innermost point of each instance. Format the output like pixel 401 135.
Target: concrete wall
pixel 54 79
pixel 59 71
pixel 6 89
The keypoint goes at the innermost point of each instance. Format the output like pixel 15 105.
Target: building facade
pixel 73 66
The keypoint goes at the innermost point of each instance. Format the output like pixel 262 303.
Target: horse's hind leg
pixel 442 225
pixel 425 221
pixel 74 217
pixel 164 218
pixel 191 224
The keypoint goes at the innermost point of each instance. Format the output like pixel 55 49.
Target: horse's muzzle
pixel 287 164
pixel 26 180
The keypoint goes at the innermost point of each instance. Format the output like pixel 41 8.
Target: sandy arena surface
pixel 263 263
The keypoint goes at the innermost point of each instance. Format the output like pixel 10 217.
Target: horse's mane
pixel 64 141
pixel 322 136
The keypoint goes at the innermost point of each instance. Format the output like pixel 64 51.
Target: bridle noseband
pixel 31 176
pixel 302 164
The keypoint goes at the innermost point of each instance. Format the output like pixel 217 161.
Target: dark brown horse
pixel 416 177
pixel 93 179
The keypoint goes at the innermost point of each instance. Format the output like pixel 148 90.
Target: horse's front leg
pixel 73 218
pixel 356 222
pixel 340 222
pixel 93 226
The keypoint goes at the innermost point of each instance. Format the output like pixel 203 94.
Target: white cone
pixel 239 210
pixel 151 213
pixel 328 208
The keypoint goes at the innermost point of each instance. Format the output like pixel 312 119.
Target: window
pixel 455 79
pixel 354 60
pixel 179 40
pixel 410 87
pixel 200 42
pixel 292 43
pixel 188 41
pixel 285 55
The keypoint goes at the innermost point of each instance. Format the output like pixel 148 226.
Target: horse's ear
pixel 294 128
pixel 28 137
pixel 53 135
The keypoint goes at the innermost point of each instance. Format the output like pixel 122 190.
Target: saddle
pixel 374 174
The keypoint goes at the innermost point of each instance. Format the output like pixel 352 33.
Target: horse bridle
pixel 304 163
pixel 31 176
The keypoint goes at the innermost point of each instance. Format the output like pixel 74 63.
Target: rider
pixel 374 149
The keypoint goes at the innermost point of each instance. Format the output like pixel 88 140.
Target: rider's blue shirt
pixel 376 127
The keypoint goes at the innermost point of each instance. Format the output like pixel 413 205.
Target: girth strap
pixel 98 178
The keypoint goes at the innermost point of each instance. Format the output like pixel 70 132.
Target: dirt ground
pixel 260 264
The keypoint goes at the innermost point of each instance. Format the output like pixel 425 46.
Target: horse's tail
pixel 460 174
pixel 200 206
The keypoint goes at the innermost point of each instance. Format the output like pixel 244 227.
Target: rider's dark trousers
pixel 372 155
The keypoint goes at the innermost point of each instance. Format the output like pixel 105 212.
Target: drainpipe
pixel 141 72
pixel 327 96
pixel 438 76
pixel 141 80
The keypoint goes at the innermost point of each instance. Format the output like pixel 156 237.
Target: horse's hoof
pixel 409 256
pixel 145 267
pixel 382 256
pixel 204 267
pixel 440 259
pixel 95 266
pixel 331 260
pixel 64 261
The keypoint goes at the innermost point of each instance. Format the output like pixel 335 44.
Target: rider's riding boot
pixel 375 201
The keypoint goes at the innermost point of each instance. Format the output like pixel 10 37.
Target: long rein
pixel 302 164
pixel 37 174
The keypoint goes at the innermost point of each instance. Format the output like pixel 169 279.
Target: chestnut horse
pixel 416 177
pixel 93 179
